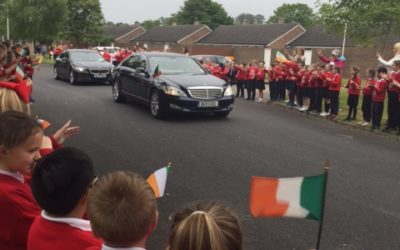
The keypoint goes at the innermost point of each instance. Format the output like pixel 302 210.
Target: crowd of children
pixel 316 88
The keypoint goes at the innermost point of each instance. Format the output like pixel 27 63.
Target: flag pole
pixel 321 224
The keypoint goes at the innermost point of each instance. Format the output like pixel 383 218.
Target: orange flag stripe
pixel 263 202
pixel 152 181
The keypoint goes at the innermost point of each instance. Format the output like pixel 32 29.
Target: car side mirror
pixel 142 71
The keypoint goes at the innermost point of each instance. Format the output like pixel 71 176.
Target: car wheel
pixel 222 114
pixel 158 107
pixel 55 71
pixel 116 91
pixel 72 80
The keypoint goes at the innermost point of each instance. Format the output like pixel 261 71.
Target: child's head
pixel 355 70
pixel 336 70
pixel 396 65
pixel 205 226
pixel 61 181
pixel 371 73
pixel 382 71
pixel 20 140
pixel 328 67
pixel 122 209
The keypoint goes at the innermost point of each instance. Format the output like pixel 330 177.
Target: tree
pixel 203 11
pixel 247 18
pixel 367 20
pixel 294 13
pixel 148 24
pixel 37 20
pixel 84 22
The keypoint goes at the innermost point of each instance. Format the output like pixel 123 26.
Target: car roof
pixel 155 53
pixel 207 56
pixel 81 50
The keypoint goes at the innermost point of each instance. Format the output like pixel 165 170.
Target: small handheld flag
pixel 300 197
pixel 280 57
pixel 158 181
pixel 45 124
pixel 157 72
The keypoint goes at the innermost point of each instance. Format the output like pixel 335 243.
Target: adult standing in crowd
pixel 396 51
pixel 333 60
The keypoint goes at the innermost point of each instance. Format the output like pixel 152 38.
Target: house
pixel 123 34
pixel 249 41
pixel 174 38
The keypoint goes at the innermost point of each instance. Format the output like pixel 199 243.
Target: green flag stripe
pixel 312 195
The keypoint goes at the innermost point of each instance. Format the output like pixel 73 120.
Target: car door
pixel 127 75
pixel 63 65
pixel 142 78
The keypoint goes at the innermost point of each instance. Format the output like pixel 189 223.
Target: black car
pixel 82 65
pixel 171 82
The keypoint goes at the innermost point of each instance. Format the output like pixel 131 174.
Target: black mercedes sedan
pixel 82 65
pixel 171 82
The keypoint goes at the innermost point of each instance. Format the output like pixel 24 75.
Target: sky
pixel 129 11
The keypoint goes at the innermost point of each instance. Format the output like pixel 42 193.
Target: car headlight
pixel 169 90
pixel 228 91
pixel 80 69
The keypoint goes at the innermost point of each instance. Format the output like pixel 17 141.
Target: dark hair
pixel 16 128
pixel 337 69
pixel 61 179
pixel 382 70
pixel 356 69
pixel 397 63
pixel 371 72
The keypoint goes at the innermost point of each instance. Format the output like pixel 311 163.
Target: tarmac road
pixel 214 159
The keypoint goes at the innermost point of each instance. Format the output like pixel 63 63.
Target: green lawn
pixel 345 109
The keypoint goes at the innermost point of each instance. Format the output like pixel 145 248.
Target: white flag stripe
pixel 161 177
pixel 289 190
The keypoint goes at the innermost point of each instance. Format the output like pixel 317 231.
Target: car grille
pixel 205 92
pixel 99 71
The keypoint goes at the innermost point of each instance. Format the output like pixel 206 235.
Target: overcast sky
pixel 129 11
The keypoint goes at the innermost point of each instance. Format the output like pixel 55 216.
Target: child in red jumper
pixel 368 89
pixel 378 98
pixel 61 182
pixel 354 87
pixel 20 140
pixel 334 90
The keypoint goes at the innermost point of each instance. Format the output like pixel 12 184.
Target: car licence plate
pixel 99 76
pixel 208 104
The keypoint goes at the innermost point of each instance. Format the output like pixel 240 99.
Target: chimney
pixel 281 20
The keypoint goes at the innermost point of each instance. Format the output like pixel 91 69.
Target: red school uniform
pixel 251 73
pixel 354 86
pixel 379 90
pixel 260 74
pixel 336 83
pixel 394 76
pixel 368 87
pixel 48 233
pixel 241 73
pixel 18 209
pixel 328 77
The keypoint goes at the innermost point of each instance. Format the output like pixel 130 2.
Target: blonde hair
pixel 122 208
pixel 397 48
pixel 10 101
pixel 205 226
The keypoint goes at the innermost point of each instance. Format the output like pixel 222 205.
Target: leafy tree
pixel 247 18
pixel 294 13
pixel 367 20
pixel 203 11
pixel 148 24
pixel 37 20
pixel 84 22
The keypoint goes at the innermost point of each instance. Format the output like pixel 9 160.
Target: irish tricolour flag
pixel 158 181
pixel 300 197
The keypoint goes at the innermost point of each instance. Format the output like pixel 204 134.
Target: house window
pixel 308 56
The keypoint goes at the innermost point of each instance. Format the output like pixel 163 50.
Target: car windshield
pixel 175 65
pixel 87 56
